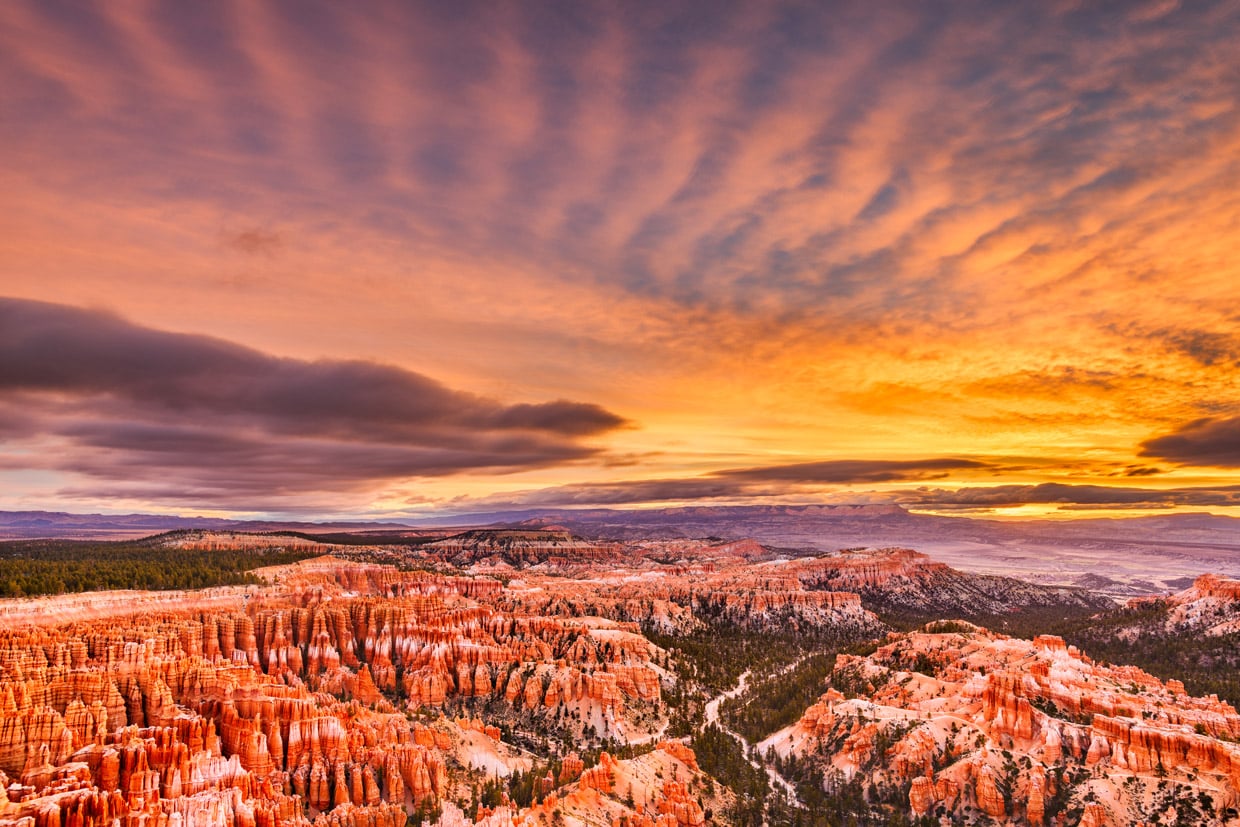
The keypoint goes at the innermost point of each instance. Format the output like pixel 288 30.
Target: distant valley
pixel 1121 557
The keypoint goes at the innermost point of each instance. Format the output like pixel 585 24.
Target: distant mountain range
pixel 26 525
pixel 1123 556
pixel 1137 555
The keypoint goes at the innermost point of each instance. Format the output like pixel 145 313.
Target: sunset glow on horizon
pixel 390 259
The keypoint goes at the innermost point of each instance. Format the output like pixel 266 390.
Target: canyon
pixel 522 677
pixel 963 722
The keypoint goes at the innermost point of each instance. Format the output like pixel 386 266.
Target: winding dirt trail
pixel 712 717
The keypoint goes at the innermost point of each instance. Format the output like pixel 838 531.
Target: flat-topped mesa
pixel 66 609
pixel 853 570
pixel 757 587
pixel 746 549
pixel 200 540
pixel 975 719
pixel 306 582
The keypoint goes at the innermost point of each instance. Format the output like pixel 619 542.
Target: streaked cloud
pixel 853 471
pixel 981 499
pixel 1070 496
pixel 733 484
pixel 772 234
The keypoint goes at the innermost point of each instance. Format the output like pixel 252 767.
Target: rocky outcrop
pixel 677 807
pixel 680 752
pixel 679 585
pixel 990 799
pixel 520 548
pixel 571 768
pixel 279 706
pixel 973 719
pixel 906 580
pixel 1213 586
pixel 681 598
pixel 1211 606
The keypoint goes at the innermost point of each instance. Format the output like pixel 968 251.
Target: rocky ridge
pixel 520 548
pixel 1211 606
pixel 964 723
pixel 747 584
pixel 902 581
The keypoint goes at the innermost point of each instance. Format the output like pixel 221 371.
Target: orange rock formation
pixel 978 720
pixel 279 709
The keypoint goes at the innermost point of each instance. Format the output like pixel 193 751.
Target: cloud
pixel 1141 471
pixel 1212 442
pixel 736 484
pixel 1074 496
pixel 1207 348
pixel 825 162
pixel 217 421
pixel 853 471
pixel 797 484
pixel 1063 381
pixel 255 241
pixel 1042 494
pixel 918 227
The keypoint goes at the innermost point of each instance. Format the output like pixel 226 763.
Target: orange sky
pixel 956 255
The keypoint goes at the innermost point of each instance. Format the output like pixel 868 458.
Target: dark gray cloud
pixel 807 479
pixel 1140 471
pixel 618 493
pixel 1068 496
pixel 739 483
pixel 854 471
pixel 1042 494
pixel 216 419
pixel 1205 347
pixel 1211 442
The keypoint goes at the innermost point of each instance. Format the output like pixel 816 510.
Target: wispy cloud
pixel 901 229
pixel 254 241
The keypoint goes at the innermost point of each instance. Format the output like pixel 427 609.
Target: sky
pixel 386 259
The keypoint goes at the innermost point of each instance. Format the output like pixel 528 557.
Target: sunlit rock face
pixel 293 703
pixel 357 693
pixel 675 586
pixel 1211 606
pixel 679 586
pixel 967 722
